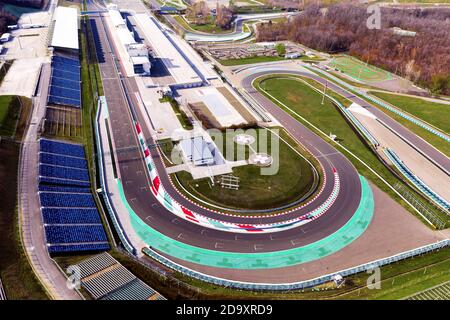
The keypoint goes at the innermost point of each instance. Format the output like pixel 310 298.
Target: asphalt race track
pixel 136 184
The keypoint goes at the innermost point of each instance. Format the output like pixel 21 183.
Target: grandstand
pixel 106 279
pixel 65 85
pixel 439 292
pixel 71 220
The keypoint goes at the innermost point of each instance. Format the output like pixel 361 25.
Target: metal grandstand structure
pixel 104 278
pixel 424 208
pixel 71 219
pixel 65 83
pixel 229 181
pixel 2 292
pixel 439 292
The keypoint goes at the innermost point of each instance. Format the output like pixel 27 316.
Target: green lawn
pixel 306 102
pixel 293 180
pixel 15 272
pixel 9 115
pixel 359 70
pixel 250 60
pixel 207 28
pixel 260 59
pixel 436 114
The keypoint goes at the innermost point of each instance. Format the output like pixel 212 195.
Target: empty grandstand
pixel 439 292
pixel 106 279
pixel 71 219
pixel 65 85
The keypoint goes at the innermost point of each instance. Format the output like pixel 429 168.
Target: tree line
pixel 200 14
pixel 6 19
pixel 423 58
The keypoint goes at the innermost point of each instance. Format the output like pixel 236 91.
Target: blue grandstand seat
pixel 66 60
pixel 61 189
pixel 64 92
pixel 64 101
pixel 66 83
pixel 57 73
pixel 70 216
pixel 60 160
pixel 57 181
pixel 69 149
pixel 65 66
pixel 75 234
pixel 66 200
pixel 52 171
pixel 79 247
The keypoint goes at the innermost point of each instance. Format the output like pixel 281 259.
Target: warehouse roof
pixel 65 31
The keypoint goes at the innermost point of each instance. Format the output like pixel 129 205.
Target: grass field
pixel 9 115
pixel 359 70
pixel 293 180
pixel 307 102
pixel 15 272
pixel 256 59
pixel 14 112
pixel 207 28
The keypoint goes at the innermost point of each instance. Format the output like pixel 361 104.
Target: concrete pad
pixel 160 115
pixel 22 77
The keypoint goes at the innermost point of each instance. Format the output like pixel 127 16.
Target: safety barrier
pixel 383 104
pixel 418 183
pixel 103 184
pixel 295 285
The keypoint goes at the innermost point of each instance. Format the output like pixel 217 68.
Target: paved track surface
pixel 418 142
pixel 136 183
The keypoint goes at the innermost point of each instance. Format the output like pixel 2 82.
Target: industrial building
pixel 137 52
pixel 175 62
pixel 196 150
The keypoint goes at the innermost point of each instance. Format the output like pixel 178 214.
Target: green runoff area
pixel 359 70
pixel 14 114
pixel 209 27
pixel 435 114
pixel 305 101
pixel 295 178
pixel 16 274
pixel 260 59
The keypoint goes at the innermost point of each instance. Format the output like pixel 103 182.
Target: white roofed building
pixel 64 29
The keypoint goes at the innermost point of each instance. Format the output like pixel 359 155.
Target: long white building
pixel 65 25
pixel 181 70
